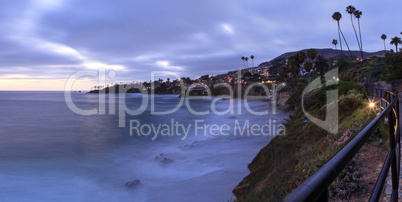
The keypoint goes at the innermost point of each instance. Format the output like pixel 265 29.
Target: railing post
pixel 394 172
pixel 398 138
pixel 380 99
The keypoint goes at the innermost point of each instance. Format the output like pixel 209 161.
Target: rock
pixel 161 158
pixel 166 160
pixel 240 190
pixel 132 184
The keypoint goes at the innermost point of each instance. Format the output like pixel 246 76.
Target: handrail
pixel 316 187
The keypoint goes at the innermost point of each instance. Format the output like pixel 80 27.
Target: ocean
pixel 196 152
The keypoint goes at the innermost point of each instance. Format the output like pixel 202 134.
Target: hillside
pixel 290 159
pixel 327 53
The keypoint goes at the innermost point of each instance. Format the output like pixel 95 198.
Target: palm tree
pixel 243 58
pixel 246 59
pixel 322 64
pixel 283 72
pixel 351 9
pixel 300 57
pixel 383 37
pixel 308 66
pixel 293 65
pixel 395 41
pixel 335 42
pixel 337 16
pixel 311 53
pixel 252 60
pixel 358 14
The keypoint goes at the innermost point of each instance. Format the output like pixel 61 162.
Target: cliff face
pixel 272 166
pixel 259 171
pixel 282 98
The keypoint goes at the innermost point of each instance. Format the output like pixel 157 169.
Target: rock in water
pixel 132 184
pixel 163 159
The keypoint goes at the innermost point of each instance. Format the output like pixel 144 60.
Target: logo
pixel 330 123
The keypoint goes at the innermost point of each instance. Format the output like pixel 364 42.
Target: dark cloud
pixel 190 37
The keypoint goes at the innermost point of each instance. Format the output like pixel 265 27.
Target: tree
pixel 322 64
pixel 204 77
pixel 338 16
pixel 246 59
pixel 300 57
pixel 283 72
pixel 308 66
pixel 243 58
pixel 252 60
pixel 383 37
pixel 335 42
pixel 247 74
pixel 358 14
pixel 294 62
pixel 395 41
pixel 351 9
pixel 311 53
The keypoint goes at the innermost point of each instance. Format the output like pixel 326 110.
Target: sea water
pixel 48 152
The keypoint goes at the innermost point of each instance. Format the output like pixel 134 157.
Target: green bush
pixel 394 69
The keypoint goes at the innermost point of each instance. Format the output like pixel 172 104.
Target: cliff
pixel 272 165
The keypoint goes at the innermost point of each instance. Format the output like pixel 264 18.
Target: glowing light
pixel 371 104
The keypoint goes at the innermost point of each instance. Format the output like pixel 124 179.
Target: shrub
pixel 394 69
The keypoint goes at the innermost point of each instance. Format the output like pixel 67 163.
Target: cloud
pixel 228 28
pixel 166 65
pixel 57 38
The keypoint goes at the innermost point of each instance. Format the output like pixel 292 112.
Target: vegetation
pixel 290 153
pixel 383 37
pixel 351 9
pixel 395 41
pixel 337 16
pixel 335 42
pixel 357 15
pixel 287 161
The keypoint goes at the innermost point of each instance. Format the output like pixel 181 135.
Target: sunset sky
pixel 43 42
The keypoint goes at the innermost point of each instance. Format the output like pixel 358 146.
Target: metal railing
pixel 315 188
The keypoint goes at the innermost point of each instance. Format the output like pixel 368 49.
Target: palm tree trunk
pixel 360 33
pixel 347 45
pixel 357 38
pixel 384 46
pixel 340 41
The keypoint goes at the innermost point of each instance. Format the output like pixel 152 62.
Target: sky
pixel 44 42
